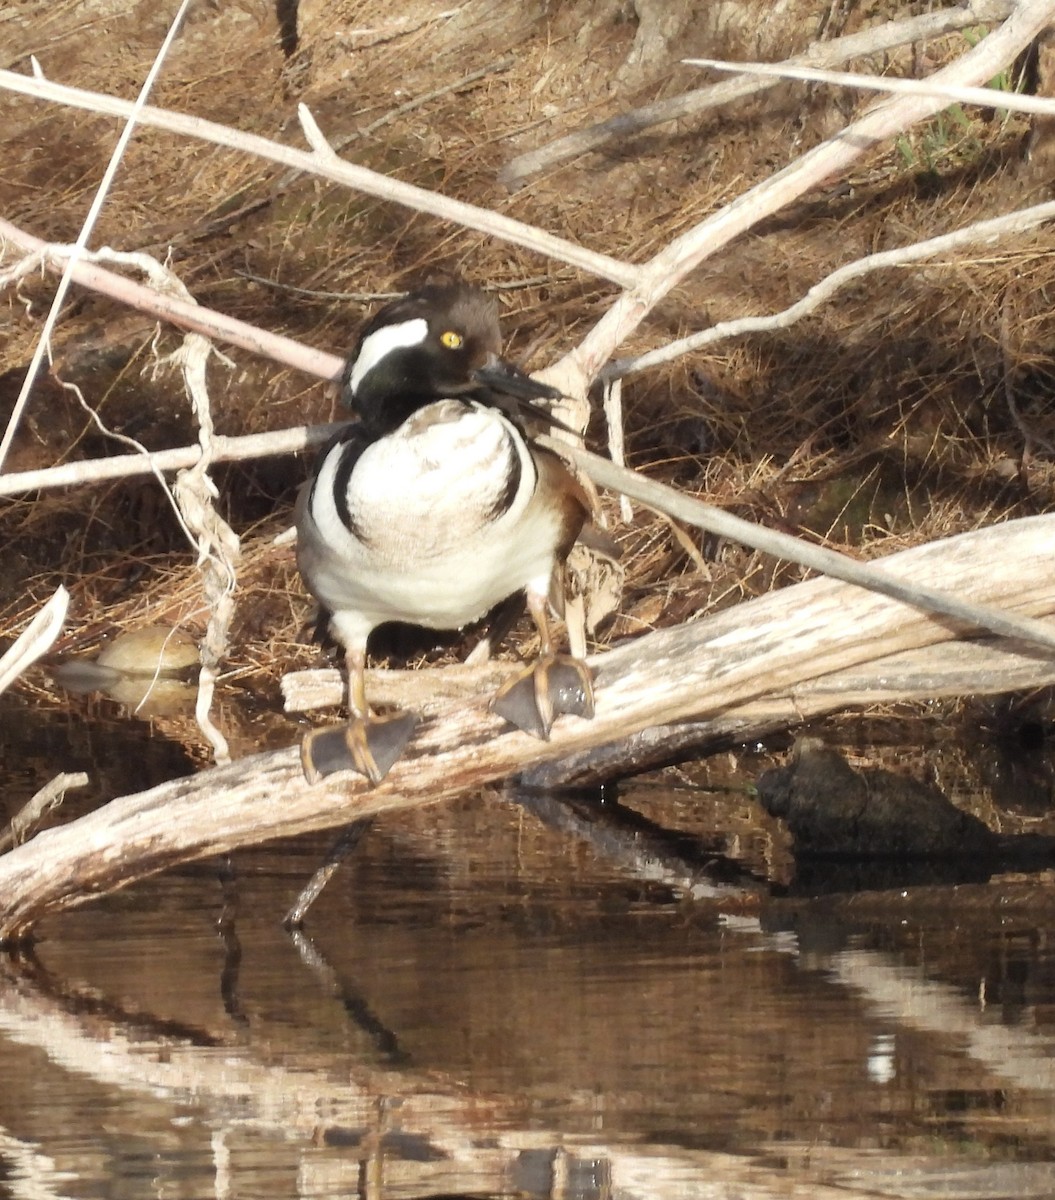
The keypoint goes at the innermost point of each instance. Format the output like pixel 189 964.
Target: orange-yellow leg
pixel 553 684
pixel 367 743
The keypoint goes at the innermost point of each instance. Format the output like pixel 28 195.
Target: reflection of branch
pixel 640 847
pixel 346 842
pixel 426 1133
pixel 122 1051
pixel 839 50
pixel 903 994
pixel 30 1171
pixel 759 649
pixel 385 1040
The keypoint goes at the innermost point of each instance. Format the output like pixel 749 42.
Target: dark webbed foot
pixel 369 745
pixel 554 684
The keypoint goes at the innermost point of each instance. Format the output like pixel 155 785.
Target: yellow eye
pixel 451 340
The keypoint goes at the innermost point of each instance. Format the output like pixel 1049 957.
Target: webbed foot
pixel 369 745
pixel 554 684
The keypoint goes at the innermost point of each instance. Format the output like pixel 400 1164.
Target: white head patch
pixel 382 342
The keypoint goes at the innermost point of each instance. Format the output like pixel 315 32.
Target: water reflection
pixel 483 1006
pixel 510 998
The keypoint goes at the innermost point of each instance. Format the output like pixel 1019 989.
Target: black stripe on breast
pixel 350 455
pixel 514 475
pixel 351 443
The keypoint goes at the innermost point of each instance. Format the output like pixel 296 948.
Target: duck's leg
pixel 367 743
pixel 553 684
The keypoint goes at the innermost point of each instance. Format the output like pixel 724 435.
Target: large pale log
pixel 759 650
pixel 946 669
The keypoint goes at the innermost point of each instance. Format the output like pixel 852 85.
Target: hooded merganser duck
pixel 434 507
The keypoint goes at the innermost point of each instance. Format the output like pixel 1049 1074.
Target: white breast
pixel 436 538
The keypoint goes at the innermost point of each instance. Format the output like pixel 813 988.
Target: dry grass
pixel 880 422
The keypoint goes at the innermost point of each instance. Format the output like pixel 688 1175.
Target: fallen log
pixel 934 672
pixel 705 669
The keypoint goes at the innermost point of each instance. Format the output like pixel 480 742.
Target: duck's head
pixel 439 342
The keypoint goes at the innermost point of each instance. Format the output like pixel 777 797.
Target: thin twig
pixel 829 562
pixel 399 27
pixel 314 293
pixel 37 807
pixel 987 97
pixel 988 230
pixel 44 340
pixel 510 285
pixel 502 64
pixel 133 444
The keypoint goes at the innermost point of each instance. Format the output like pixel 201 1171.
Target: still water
pixel 485 1006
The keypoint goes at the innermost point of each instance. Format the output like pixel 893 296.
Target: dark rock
pixel 833 810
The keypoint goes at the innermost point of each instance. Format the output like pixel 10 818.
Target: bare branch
pixel 329 166
pixel 770 541
pixel 36 639
pixel 122 466
pixel 663 272
pixel 986 97
pixel 989 230
pixel 181 312
pixel 875 40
